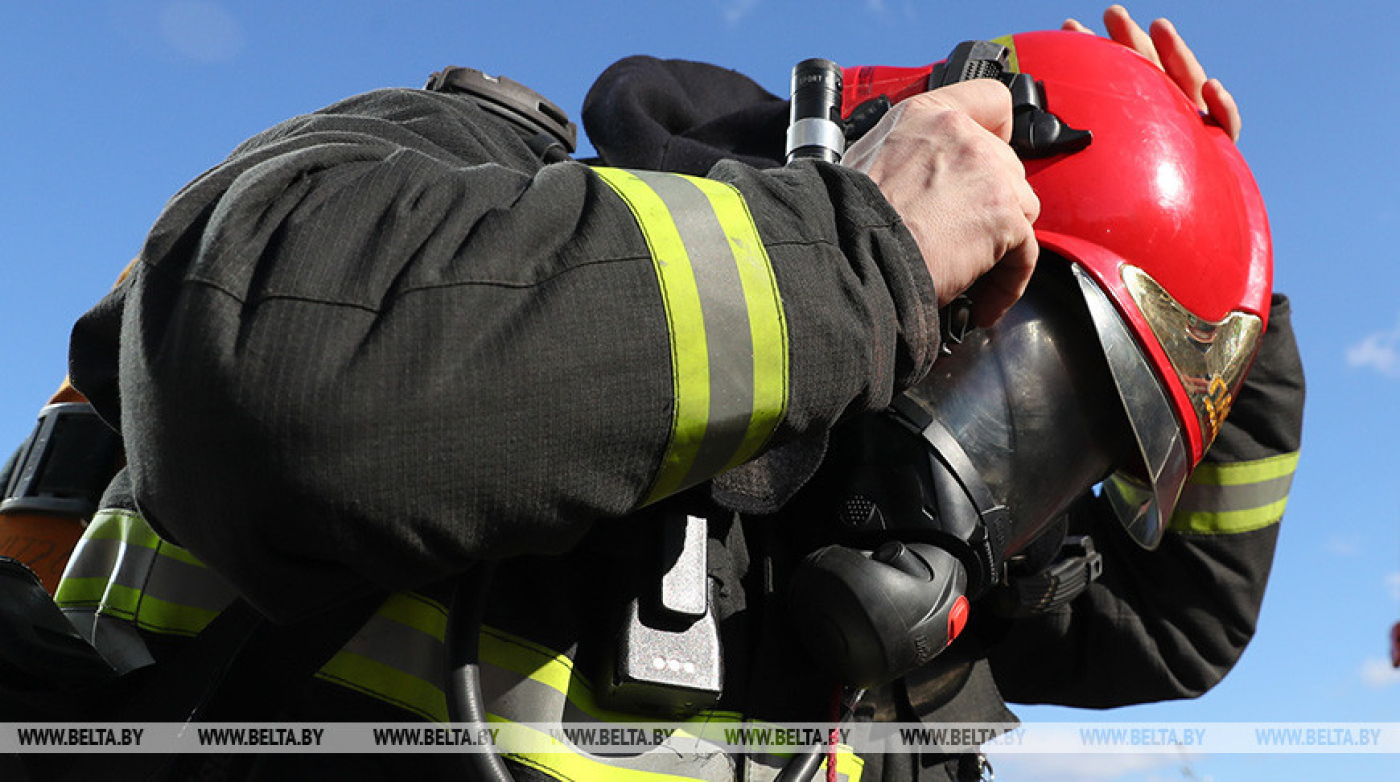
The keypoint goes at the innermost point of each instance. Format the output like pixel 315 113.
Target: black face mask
pixel 965 471
pixel 1031 404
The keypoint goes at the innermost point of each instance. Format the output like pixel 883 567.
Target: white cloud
pixel 1080 768
pixel 201 30
pixel 1379 351
pixel 1342 547
pixel 1377 674
pixel 734 11
pixel 1392 585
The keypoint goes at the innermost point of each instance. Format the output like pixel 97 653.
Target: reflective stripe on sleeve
pixel 1229 498
pixel 121 568
pixel 124 575
pixel 727 330
pixel 398 656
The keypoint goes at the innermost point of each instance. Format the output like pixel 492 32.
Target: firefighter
pixel 385 342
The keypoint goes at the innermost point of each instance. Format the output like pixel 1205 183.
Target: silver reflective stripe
pixel 1227 498
pixel 401 647
pixel 727 338
pixel 122 576
pixel 1204 497
pixel 525 701
pixel 103 558
pixel 161 577
pixel 397 657
pixel 724 319
pixel 527 684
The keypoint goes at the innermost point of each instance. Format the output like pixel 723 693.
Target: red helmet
pixel 1168 238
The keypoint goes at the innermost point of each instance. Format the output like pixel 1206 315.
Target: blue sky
pixel 109 107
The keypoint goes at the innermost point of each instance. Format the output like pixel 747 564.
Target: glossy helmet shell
pixel 1161 214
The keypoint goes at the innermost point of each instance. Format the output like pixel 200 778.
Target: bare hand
pixel 943 161
pixel 1165 47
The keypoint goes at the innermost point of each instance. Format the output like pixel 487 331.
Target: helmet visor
pixel 1144 501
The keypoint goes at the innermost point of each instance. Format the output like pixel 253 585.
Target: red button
pixel 957 617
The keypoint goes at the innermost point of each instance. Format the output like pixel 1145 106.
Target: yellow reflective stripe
pixel 121 568
pixel 397 656
pixel 146 612
pixel 1239 473
pixel 131 528
pixel 685 322
pixel 166 617
pixel 544 666
pixel 1228 522
pixel 767 321
pixel 845 759
pixel 383 682
pixel 121 525
pixel 421 613
pixel 1235 497
pixel 727 330
pixel 532 661
pixel 550 756
pixel 92 592
pixel 1013 63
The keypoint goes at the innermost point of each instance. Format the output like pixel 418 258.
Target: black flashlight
pixel 814 126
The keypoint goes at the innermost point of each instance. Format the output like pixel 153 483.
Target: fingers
pixel 942 161
pixel 1165 47
pixel 1124 30
pixel 1179 61
pixel 1001 287
pixel 1181 65
pixel 1220 104
pixel 1015 249
pixel 986 101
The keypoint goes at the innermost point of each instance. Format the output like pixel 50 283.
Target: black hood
pixel 680 116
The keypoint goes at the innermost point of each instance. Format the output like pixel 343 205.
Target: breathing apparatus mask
pixel 935 497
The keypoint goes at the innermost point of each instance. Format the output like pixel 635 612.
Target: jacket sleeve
pixel 381 342
pixel 1170 623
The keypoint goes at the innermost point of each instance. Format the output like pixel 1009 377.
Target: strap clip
pixel 667 657
pixel 1078 566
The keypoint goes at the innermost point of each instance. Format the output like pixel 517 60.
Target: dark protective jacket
pixel 371 314
pixel 381 342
